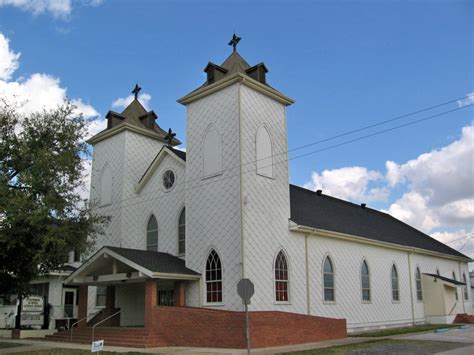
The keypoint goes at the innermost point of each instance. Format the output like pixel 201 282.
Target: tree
pixel 42 216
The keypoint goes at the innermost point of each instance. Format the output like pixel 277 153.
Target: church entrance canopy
pixel 114 265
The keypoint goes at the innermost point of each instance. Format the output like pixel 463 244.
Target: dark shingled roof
pixel 178 152
pixel 155 261
pixel 325 212
pixel 447 279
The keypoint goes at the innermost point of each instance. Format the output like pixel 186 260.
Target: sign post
pixel 245 290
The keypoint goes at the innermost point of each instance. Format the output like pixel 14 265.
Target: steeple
pixel 137 118
pixel 234 69
pixel 234 64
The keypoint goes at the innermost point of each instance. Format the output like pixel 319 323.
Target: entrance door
pixel 69 298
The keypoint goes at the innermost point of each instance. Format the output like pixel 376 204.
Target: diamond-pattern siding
pixel 213 204
pixel 266 207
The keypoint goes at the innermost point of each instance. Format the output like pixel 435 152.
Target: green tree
pixel 42 216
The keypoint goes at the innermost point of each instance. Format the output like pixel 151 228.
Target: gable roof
pixel 320 211
pixel 156 262
pixel 113 264
pixel 136 118
pixel 165 150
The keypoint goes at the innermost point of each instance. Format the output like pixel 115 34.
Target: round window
pixel 168 179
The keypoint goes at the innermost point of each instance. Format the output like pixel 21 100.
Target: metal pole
pixel 247 330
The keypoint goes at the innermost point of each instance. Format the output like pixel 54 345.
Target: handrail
pixel 102 321
pixel 80 320
pixel 454 306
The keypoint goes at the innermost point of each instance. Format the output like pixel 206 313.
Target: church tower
pixel 237 197
pixel 121 154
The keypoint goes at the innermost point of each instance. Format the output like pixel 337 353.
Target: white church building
pixel 185 227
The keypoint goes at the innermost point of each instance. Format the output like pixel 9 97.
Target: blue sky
pixel 346 63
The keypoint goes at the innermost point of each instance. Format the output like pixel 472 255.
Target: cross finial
pixel 234 41
pixel 170 136
pixel 136 90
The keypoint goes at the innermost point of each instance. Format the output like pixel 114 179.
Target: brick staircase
pixel 115 336
pixel 464 318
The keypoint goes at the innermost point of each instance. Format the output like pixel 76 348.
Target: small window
pixel 182 233
pixel 455 279
pixel 328 279
pixel 466 294
pixel 100 296
pixel 395 289
pixel 264 153
pixel 168 179
pixel 212 152
pixel 213 278
pixel 106 187
pixel 152 234
pixel 281 278
pixel 419 292
pixel 365 282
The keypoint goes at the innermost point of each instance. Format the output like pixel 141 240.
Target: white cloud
pixel 440 185
pixel 461 240
pixel 58 8
pixel 8 59
pixel 350 183
pixel 123 102
pixel 468 100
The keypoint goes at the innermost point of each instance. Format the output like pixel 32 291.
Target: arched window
pixel 106 187
pixel 213 278
pixel 212 152
pixel 466 294
pixel 182 233
pixel 152 234
pixel 454 278
pixel 419 292
pixel 365 281
pixel 395 289
pixel 328 279
pixel 264 153
pixel 281 278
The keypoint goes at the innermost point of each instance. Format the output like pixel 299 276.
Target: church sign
pixel 32 309
pixel 32 304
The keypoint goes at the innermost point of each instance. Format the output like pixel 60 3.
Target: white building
pixel 189 226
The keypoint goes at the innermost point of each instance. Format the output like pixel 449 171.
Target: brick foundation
pixel 201 327
pixel 464 318
pixel 188 326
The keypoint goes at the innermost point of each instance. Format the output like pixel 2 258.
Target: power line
pixel 455 240
pixel 334 137
pixel 212 181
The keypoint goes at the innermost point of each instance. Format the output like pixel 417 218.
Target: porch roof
pixel 446 279
pixel 117 265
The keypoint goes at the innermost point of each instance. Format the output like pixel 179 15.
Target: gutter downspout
pixel 411 289
pixel 308 301
pixel 462 291
pixel 242 202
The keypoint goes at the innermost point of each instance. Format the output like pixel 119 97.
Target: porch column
pixel 82 306
pixel 150 302
pixel 180 294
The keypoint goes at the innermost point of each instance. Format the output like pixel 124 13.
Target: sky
pixel 347 65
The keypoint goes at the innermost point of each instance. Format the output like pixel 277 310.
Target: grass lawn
pixel 9 345
pixel 404 330
pixel 386 346
pixel 72 351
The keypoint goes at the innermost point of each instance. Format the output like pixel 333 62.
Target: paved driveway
pixel 452 335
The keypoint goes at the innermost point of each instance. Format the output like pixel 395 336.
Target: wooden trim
pixel 237 77
pixel 353 238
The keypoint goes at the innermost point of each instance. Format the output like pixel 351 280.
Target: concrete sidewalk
pixel 31 345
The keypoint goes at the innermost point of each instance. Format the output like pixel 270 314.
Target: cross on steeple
pixel 234 41
pixel 170 136
pixel 136 90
